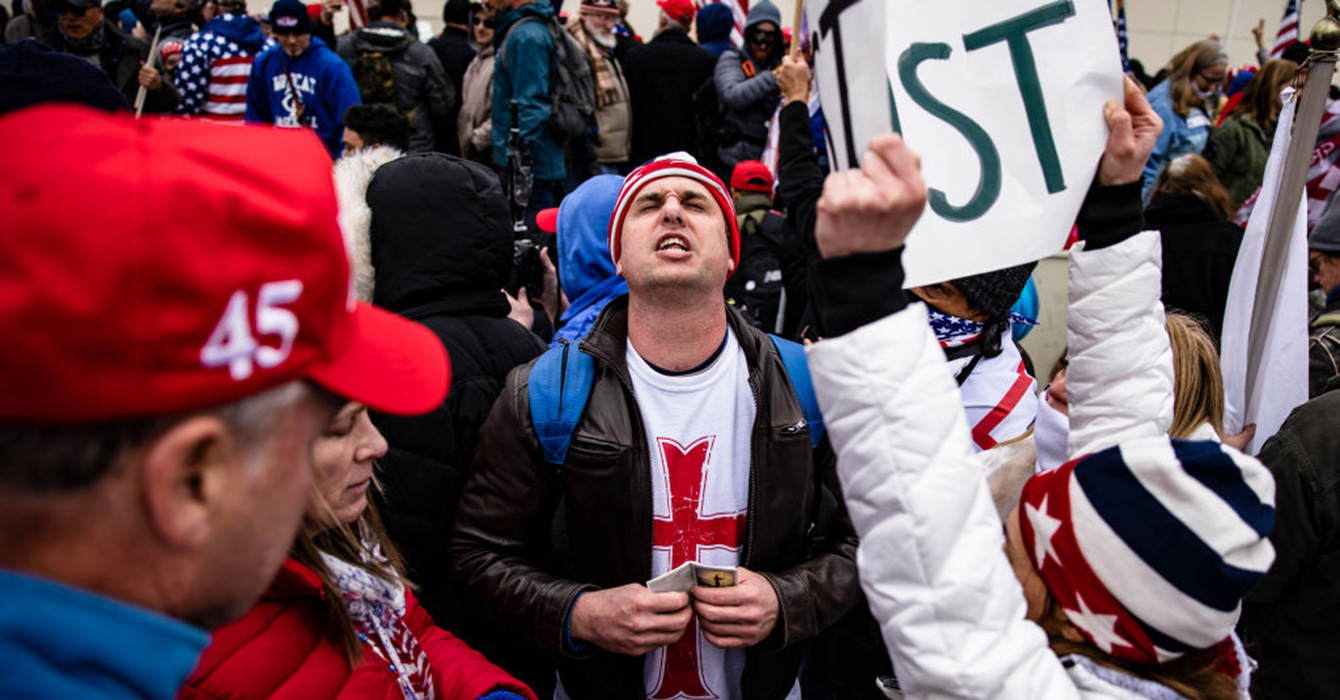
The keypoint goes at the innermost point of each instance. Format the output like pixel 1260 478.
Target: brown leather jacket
pixel 503 529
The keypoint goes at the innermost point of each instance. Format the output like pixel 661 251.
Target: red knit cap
pixel 678 164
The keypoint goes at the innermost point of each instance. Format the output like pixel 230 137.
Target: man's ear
pixel 186 470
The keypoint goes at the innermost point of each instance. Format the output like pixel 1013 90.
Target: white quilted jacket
pixel 931 560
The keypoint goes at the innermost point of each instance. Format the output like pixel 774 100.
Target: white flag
pixel 1281 369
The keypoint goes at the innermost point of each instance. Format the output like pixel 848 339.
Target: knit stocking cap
pixel 1149 547
pixel 678 164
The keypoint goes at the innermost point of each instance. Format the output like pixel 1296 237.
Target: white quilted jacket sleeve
pixel 1120 378
pixel 930 559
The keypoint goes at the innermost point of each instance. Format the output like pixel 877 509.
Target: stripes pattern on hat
pixel 677 164
pixel 1150 547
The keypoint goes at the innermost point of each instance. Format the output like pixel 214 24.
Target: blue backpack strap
pixel 559 386
pixel 798 369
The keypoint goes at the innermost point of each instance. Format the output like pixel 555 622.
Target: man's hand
pixel 554 301
pixel 522 312
pixel 328 10
pixel 737 616
pixel 149 77
pixel 873 208
pixel 793 78
pixel 1135 130
pixel 630 619
pixel 1259 34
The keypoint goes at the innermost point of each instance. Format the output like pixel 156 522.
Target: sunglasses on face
pixel 761 38
pixel 488 23
pixel 72 10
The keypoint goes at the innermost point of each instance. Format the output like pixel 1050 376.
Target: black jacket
pixel 442 248
pixel 1291 622
pixel 1199 249
pixel 120 58
pixel 662 76
pixel 503 536
pixel 454 51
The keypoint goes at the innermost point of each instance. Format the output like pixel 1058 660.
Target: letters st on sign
pixel 1003 99
pixel 1013 33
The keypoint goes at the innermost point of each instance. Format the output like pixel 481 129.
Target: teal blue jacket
pixel 62 642
pixel 526 76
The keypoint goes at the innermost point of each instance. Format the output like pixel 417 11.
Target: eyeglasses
pixel 488 23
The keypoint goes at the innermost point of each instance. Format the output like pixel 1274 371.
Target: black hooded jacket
pixel 441 240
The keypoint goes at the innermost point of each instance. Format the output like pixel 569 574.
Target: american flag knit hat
pixel 679 164
pixel 1149 547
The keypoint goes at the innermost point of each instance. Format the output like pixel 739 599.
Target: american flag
pixel 1288 34
pixel 358 14
pixel 740 8
pixel 1123 38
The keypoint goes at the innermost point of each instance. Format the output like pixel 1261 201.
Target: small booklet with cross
pixel 690 574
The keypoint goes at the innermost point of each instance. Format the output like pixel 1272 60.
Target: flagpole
pixel 1321 62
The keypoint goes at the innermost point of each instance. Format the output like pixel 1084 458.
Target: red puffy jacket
pixel 280 650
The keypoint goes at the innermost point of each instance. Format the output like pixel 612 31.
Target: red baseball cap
pixel 681 11
pixel 161 266
pixel 547 220
pixel 751 176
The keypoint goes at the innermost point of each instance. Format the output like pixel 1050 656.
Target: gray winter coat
pixel 424 93
pixel 748 93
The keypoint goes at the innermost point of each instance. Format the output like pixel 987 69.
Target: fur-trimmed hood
pixel 352 175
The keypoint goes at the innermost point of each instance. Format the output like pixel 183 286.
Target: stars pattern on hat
pixel 1102 629
pixel 1045 528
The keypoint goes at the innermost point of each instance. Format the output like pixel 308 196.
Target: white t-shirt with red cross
pixel 698 431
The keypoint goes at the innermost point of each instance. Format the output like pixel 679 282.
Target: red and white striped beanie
pixel 679 164
pixel 1149 547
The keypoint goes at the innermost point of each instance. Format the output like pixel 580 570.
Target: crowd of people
pixel 505 367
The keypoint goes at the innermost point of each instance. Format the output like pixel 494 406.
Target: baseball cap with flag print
pixel 196 264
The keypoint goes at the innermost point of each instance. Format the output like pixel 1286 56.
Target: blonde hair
pixel 1198 385
pixel 1188 63
pixel 350 543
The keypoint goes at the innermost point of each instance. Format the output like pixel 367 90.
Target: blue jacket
pixel 526 76
pixel 584 262
pixel 715 22
pixel 61 642
pixel 324 83
pixel 1181 135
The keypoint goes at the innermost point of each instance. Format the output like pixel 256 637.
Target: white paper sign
pixel 1003 99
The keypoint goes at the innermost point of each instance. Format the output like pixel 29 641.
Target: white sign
pixel 1003 99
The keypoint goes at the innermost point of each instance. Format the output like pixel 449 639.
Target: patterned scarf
pixel 953 331
pixel 602 69
pixel 88 45
pixel 377 608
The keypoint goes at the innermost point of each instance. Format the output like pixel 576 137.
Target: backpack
pixel 757 283
pixel 560 384
pixel 572 90
pixel 375 77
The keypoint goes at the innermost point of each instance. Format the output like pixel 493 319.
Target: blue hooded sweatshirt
pixel 323 81
pixel 224 37
pixel 715 21
pixel 584 263
pixel 525 76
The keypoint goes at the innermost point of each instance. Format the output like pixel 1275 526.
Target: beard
pixel 602 36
